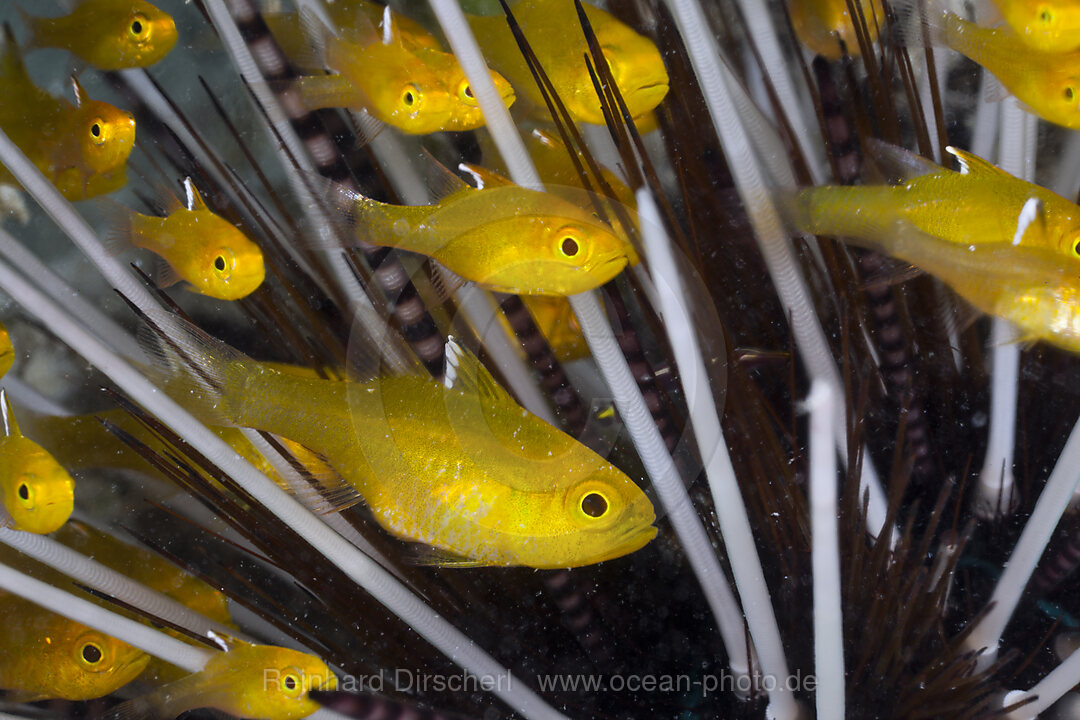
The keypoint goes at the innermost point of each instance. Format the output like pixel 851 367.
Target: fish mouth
pixel 631 541
pixel 611 266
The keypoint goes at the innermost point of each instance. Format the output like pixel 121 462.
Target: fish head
pixel 105 134
pixel 88 664
pixel 408 94
pixel 466 114
pixel 1047 25
pixel 137 34
pixel 229 265
pixel 281 682
pixel 38 494
pixel 1063 88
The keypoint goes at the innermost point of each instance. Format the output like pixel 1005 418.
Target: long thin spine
pixel 360 568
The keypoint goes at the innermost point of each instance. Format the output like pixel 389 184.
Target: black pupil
pixel 1046 16
pixel 136 27
pixel 91 654
pixel 569 247
pixel 468 91
pixel 594 505
pixel 1068 93
pixel 219 263
pixel 290 682
pixel 95 130
pixel 24 491
pixel 409 99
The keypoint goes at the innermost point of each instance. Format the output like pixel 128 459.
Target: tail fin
pixel 919 23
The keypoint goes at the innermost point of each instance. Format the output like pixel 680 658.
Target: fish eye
pixel 465 93
pixel 1076 247
pixel 26 494
pixel 139 27
pixel 410 96
pixel 594 505
pixel 223 264
pixel 569 246
pixel 291 685
pixel 1069 93
pixel 91 654
pixel 97 131
pixel 1046 16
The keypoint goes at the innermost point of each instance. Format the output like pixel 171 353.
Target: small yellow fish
pixel 981 204
pixel 248 681
pixel 1047 83
pixel 504 238
pixel 458 466
pixel 1051 26
pixel 7 351
pixel 418 89
pixel 826 27
pixel 201 248
pixel 554 32
pixel 81 148
pixel 45 655
pixel 38 493
pixel 108 34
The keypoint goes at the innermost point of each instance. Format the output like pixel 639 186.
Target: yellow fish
pixel 1047 83
pixel 7 351
pixel 249 681
pixel 826 27
pixel 201 248
pixel 38 493
pixel 45 655
pixel 81 148
pixel 1051 26
pixel 418 88
pixel 108 34
pixel 458 466
pixel 980 204
pixel 505 238
pixel 555 35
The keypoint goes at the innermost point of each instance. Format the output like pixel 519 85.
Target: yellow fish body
pixel 108 34
pixel 1051 26
pixel 81 148
pixel 1047 83
pixel 249 681
pixel 461 468
pixel 505 238
pixel 554 32
pixel 201 248
pixel 38 493
pixel 981 204
pixel 7 351
pixel 45 655
pixel 826 27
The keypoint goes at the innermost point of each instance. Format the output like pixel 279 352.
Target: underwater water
pixel 712 343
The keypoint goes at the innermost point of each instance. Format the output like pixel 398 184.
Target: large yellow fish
pixel 1046 25
pixel 416 88
pixel 247 681
pixel 1048 84
pixel 38 493
pixel 108 34
pixel 981 204
pixel 45 655
pixel 460 467
pixel 554 32
pixel 201 248
pixel 826 27
pixel 7 351
pixel 81 148
pixel 504 238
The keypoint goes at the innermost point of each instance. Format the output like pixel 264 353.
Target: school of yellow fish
pixel 457 466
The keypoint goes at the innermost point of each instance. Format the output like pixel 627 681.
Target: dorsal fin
pixel 899 164
pixel 465 373
pixel 193 200
pixel 1032 217
pixel 80 92
pixel 7 415
pixel 441 181
pixel 484 178
pixel 973 164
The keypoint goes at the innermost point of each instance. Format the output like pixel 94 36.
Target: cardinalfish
pixel 418 89
pixel 554 32
pixel 978 205
pixel 198 247
pixel 1046 83
pixel 44 656
pixel 505 238
pixel 38 493
pixel 82 148
pixel 457 466
pixel 263 682
pixel 1051 26
pixel 108 34
pixel 827 28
